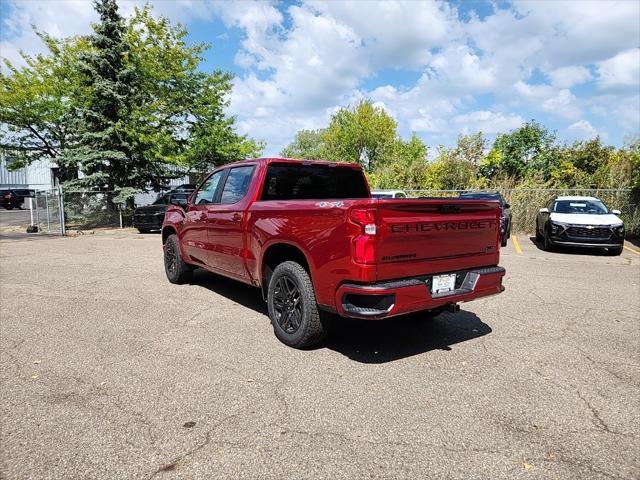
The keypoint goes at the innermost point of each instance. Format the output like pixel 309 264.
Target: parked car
pixel 150 217
pixel 505 218
pixel 580 222
pixel 310 236
pixel 388 194
pixel 14 197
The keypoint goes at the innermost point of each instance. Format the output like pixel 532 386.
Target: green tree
pixel 37 105
pixel 405 169
pixel 306 144
pixel 622 169
pixel 449 171
pixel 105 151
pixel 120 105
pixel 363 134
pixel 525 151
pixel 470 148
pixel 179 113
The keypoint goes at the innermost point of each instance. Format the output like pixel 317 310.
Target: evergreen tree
pixel 107 153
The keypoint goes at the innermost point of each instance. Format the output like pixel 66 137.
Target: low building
pixel 42 175
pixel 39 175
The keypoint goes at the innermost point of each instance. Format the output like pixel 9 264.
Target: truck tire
pixel 177 270
pixel 144 230
pixel 293 310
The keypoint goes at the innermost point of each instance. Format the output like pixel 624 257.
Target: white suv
pixel 580 222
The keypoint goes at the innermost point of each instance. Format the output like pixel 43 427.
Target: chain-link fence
pixel 47 211
pixel 85 209
pixel 90 209
pixel 526 202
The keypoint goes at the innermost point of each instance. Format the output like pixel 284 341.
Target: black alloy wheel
pixel 170 258
pixel 287 304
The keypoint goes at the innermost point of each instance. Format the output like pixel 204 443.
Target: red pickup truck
pixel 310 236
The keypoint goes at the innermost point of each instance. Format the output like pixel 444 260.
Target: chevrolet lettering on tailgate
pixel 442 226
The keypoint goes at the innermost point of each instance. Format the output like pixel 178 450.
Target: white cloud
pixel 300 62
pixel 398 33
pixel 622 70
pixel 487 122
pixel 64 18
pixel 57 18
pixel 566 77
pixel 563 103
pixel 460 70
pixel 583 130
pixel 559 102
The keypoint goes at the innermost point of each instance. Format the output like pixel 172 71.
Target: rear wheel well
pixel 166 232
pixel 277 254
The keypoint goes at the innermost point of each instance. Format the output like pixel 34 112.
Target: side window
pixel 237 184
pixel 208 189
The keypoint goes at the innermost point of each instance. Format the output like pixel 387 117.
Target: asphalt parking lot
pixel 108 371
pixel 14 217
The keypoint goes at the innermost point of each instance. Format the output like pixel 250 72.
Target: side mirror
pixel 544 210
pixel 616 212
pixel 506 205
pixel 179 202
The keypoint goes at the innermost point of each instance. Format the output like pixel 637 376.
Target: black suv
pixel 150 217
pixel 505 219
pixel 14 197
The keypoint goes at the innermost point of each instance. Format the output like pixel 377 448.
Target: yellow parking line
pixel 632 250
pixel 516 245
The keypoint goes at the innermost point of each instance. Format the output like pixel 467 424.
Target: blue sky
pixel 439 68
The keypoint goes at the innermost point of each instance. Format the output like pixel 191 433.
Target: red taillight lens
pixel 364 243
pixel 363 216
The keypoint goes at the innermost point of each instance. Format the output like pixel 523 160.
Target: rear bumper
pixel 397 297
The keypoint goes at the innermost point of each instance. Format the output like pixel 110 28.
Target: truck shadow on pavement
pixel 237 292
pixel 381 341
pixel 368 341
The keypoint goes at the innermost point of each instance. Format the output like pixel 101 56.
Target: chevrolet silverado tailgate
pixel 417 237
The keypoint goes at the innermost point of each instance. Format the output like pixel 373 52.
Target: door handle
pixel 236 217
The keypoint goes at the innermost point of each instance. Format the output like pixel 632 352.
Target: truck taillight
pixel 364 243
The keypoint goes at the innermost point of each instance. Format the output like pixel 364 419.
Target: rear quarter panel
pixel 319 229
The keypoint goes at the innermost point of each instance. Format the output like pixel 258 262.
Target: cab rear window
pixel 313 182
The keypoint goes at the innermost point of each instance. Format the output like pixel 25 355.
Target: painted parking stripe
pixel 632 250
pixel 516 245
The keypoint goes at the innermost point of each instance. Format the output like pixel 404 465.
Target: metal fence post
pixel 37 211
pixel 31 209
pixel 46 201
pixel 63 229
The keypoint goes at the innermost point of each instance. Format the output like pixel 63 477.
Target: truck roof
pixel 297 161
